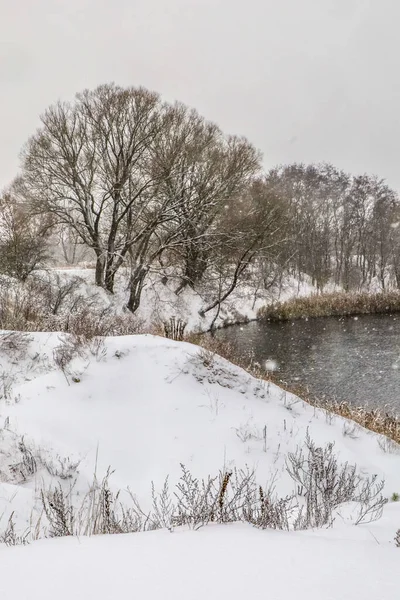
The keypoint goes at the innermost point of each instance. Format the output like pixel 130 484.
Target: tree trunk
pixel 100 268
pixel 195 264
pixel 136 287
pixel 109 280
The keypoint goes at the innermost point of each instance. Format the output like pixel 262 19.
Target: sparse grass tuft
pixel 397 538
pixel 10 538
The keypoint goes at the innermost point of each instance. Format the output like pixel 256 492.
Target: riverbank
pixel 337 304
pixel 148 397
pixel 54 300
pixel 51 300
pixel 383 421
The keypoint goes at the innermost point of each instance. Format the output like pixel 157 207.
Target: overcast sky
pixel 305 80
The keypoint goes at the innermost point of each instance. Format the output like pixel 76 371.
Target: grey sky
pixel 305 80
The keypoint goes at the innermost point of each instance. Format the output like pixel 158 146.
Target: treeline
pixel 152 187
pixel 340 227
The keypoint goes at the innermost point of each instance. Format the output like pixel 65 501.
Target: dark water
pixel 351 359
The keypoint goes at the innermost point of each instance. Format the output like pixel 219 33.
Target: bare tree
pixel 339 226
pixel 135 179
pixel 86 165
pixel 70 247
pixel 23 237
pixel 256 230
pixel 200 170
pixel 195 170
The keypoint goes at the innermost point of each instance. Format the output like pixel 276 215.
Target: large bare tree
pixel 87 165
pixel 135 178
pixel 199 170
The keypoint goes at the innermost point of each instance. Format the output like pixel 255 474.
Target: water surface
pixel 352 359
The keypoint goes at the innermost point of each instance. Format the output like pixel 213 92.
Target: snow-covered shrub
pixel 14 344
pixel 89 323
pixel 231 496
pixel 27 466
pixel 325 485
pixel 47 302
pixel 59 513
pixel 9 537
pixel 100 512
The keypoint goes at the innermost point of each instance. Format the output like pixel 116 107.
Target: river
pixel 355 359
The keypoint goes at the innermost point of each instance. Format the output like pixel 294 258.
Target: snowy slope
pixel 144 405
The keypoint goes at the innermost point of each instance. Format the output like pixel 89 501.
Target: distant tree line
pixel 152 187
pixel 340 227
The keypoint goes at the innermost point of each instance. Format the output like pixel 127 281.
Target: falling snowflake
pixel 271 365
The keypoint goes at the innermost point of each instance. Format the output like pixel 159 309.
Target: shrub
pixel 10 538
pixel 51 304
pixel 325 485
pixel 24 237
pixel 230 496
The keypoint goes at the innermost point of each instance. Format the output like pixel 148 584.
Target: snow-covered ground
pixel 159 301
pixel 145 404
pixel 142 405
pixel 214 563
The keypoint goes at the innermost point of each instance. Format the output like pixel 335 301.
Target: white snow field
pixel 217 562
pixel 142 405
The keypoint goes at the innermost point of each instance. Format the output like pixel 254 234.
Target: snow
pixel 159 301
pixel 143 405
pixel 146 404
pixel 232 561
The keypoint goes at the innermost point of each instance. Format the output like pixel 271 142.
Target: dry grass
pixel 397 538
pixel 321 486
pixel 47 305
pixel 329 305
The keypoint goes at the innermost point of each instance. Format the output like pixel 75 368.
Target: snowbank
pixel 144 404
pixel 233 561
